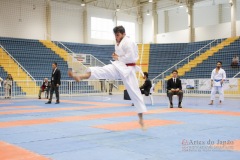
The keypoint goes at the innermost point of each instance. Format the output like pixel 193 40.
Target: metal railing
pixel 67 88
pixel 19 65
pixel 95 61
pixel 57 43
pixel 91 60
pixel 236 75
pixel 70 55
pixel 191 87
pixel 187 59
pixel 200 86
pixel 141 57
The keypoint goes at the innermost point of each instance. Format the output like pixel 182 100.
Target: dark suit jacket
pixel 146 86
pixel 56 77
pixel 171 84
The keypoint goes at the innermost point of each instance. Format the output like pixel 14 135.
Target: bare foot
pixel 71 74
pixel 140 115
pixel 143 127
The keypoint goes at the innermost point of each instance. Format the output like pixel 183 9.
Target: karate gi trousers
pixel 129 78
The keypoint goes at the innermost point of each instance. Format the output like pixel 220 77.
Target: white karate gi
pixel 7 86
pixel 127 51
pixel 217 86
pixel 1 82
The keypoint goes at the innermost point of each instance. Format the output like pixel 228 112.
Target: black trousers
pixel 144 92
pixel 102 82
pixel 110 87
pixel 179 94
pixel 56 89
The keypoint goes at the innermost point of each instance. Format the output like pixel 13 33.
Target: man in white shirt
pixel 235 61
pixel 124 67
pixel 217 78
pixel 1 82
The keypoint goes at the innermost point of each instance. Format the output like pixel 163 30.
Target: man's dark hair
pixel 219 62
pixel 146 74
pixel 175 71
pixel 119 29
pixel 55 63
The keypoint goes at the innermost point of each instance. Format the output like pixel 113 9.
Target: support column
pixel 233 18
pixel 166 19
pixel 140 30
pixel 154 22
pixel 220 16
pixel 115 19
pixel 191 21
pixel 48 20
pixel 85 26
pixel 140 25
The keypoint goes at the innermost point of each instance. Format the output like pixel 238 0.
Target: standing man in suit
pixel 145 88
pixel 174 87
pixel 55 83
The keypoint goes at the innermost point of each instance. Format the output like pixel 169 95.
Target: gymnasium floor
pixel 105 128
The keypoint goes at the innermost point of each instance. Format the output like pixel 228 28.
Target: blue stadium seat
pixel 225 55
pixel 101 52
pixel 34 57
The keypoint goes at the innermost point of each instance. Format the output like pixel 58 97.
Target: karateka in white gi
pixel 217 78
pixel 124 67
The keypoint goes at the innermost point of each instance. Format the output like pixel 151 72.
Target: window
pixel 101 28
pixel 129 28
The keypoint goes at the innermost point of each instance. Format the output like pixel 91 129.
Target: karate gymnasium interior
pixel 92 120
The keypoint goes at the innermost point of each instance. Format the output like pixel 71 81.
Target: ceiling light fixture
pixel 83 3
pixel 118 8
pixel 148 12
pixel 150 1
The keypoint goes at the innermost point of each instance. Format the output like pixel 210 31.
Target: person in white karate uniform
pixel 1 82
pixel 123 67
pixel 217 78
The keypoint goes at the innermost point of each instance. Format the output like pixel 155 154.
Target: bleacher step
pixel 204 56
pixel 27 85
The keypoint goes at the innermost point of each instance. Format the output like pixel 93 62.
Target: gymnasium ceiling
pixel 124 4
pixel 132 6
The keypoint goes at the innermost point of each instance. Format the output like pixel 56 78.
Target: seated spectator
pixel 235 61
pixel 145 88
pixel 174 87
pixel 45 87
